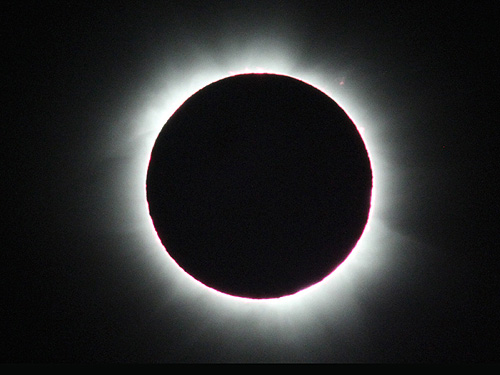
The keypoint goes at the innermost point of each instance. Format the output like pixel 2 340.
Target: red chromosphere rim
pixel 259 186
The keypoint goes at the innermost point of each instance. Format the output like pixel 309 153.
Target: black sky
pixel 75 283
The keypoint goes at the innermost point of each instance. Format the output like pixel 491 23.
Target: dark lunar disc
pixel 259 185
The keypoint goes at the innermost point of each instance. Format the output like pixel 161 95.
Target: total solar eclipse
pixel 259 185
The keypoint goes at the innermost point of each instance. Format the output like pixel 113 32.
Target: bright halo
pixel 338 291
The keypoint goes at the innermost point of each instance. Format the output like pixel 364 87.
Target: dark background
pixel 76 286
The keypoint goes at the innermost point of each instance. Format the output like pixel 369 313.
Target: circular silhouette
pixel 259 185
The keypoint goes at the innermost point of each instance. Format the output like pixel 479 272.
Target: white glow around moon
pixel 290 319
